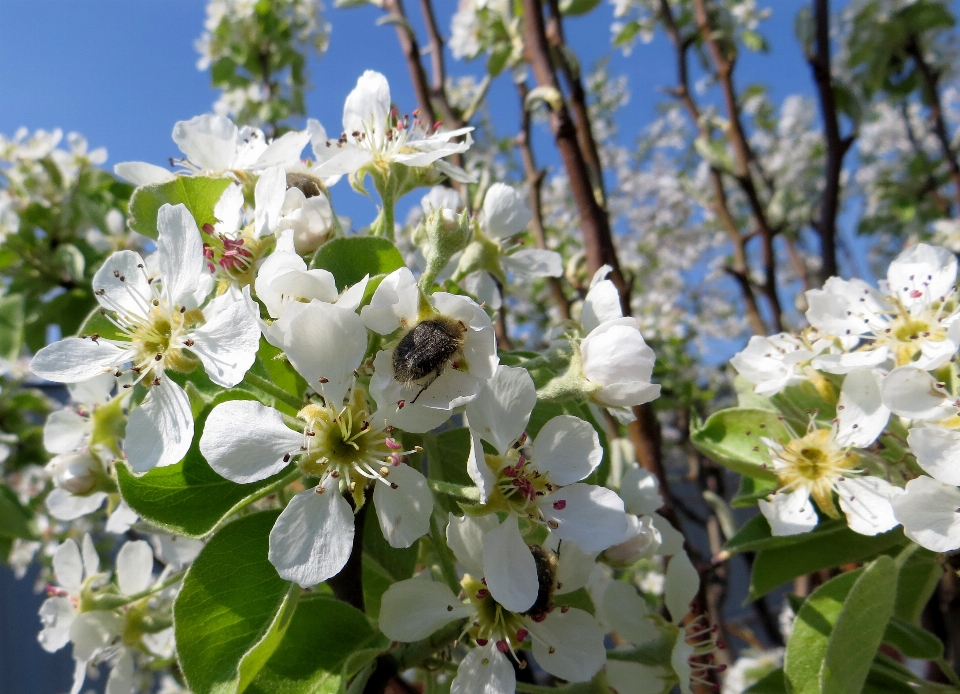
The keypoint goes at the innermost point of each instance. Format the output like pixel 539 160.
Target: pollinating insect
pixel 427 350
pixel 546 563
pixel 308 185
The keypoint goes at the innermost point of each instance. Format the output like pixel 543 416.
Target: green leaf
pixel 807 646
pixel 351 258
pixel 11 326
pixel 383 565
pixel 199 193
pixel 315 655
pixel 859 628
pixel 256 657
pixel 229 602
pixel 14 518
pixel 772 683
pixel 778 565
pixel 70 260
pixel 755 535
pixel 732 438
pixel 920 572
pixel 911 640
pixel 190 498
pixel 752 489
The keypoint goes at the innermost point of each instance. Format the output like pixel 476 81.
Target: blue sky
pixel 122 72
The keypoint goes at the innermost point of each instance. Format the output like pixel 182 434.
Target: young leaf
pixel 199 193
pixel 732 438
pixel 14 518
pixel 189 498
pixel 911 640
pixel 229 601
pixel 755 535
pixel 859 628
pixel 315 654
pixel 350 258
pixel 11 326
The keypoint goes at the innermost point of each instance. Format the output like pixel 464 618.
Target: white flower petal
pixel 93 631
pixel 394 302
pixel 227 344
pixel 326 347
pixel 312 539
pixel 789 513
pixel 574 566
pixel 284 150
pixel 121 519
pixel 484 671
pixel 634 678
pixel 368 105
pixel 450 389
pixel 140 173
pixel 501 410
pixel 246 441
pixel 505 212
pixel 626 613
pixel 411 610
pixel 68 566
pixel 928 511
pixel 94 391
pixel 867 503
pixel 922 274
pixel 640 491
pixel 79 675
pixel 509 567
pixel 210 142
pixel 479 471
pixel 911 392
pixel 160 430
pixel 577 641
pixel 65 431
pixel 465 538
pixel 404 512
pixel 56 615
pixel 601 304
pixel 591 516
pixel 567 449
pixel 387 392
pixel 65 506
pixel 269 194
pixel 937 450
pixel 121 679
pixel 134 567
pixel 129 295
pixel 181 252
pixel 861 414
pixel 91 560
pixel 74 359
pixel 616 357
pixel 531 263
pixel 680 587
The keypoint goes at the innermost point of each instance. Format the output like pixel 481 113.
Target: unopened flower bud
pixel 75 472
pixel 643 541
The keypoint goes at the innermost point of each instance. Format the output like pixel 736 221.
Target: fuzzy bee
pixel 546 562
pixel 308 185
pixel 427 350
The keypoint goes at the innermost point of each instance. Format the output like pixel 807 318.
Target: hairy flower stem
pixel 272 389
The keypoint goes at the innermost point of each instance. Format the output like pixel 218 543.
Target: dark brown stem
pixel 594 223
pixel 348 584
pixel 411 51
pixel 723 64
pixel 837 146
pixel 740 268
pixel 931 95
pixel 438 88
pixel 535 196
pixel 578 101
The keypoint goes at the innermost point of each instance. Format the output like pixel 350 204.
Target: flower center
pixel 519 484
pixel 815 462
pixel 234 260
pixel 491 620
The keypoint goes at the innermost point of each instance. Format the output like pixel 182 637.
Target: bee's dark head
pixel 427 349
pixel 546 562
pixel 308 185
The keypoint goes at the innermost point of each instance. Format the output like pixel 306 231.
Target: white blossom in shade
pixel 911 319
pixel 618 364
pixel 342 442
pixel 937 449
pixel 69 429
pixel 861 414
pixel 396 308
pixel 930 513
pixel 76 476
pixel 289 199
pixel 566 642
pixel 775 362
pixel 634 678
pixel 156 331
pixel 283 281
pixel 537 481
pixel 484 671
pixel 375 134
pixel 812 468
pixel 640 491
pixel 913 393
pixel 643 541
pixel 602 302
pixel 214 145
pixel 751 667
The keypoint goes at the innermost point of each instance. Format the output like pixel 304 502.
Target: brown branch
pixel 723 65
pixel 578 101
pixel 931 94
pixel 438 88
pixel 594 223
pixel 411 51
pixel 740 269
pixel 826 225
pixel 535 195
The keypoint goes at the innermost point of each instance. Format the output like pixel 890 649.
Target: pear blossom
pixel 214 145
pixel 375 134
pixel 342 442
pixel 775 362
pixel 539 481
pixel 156 327
pixel 295 200
pixel 928 511
pixel 821 463
pixel 283 279
pixel 494 252
pixel 566 642
pixel 398 306
pixel 911 319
